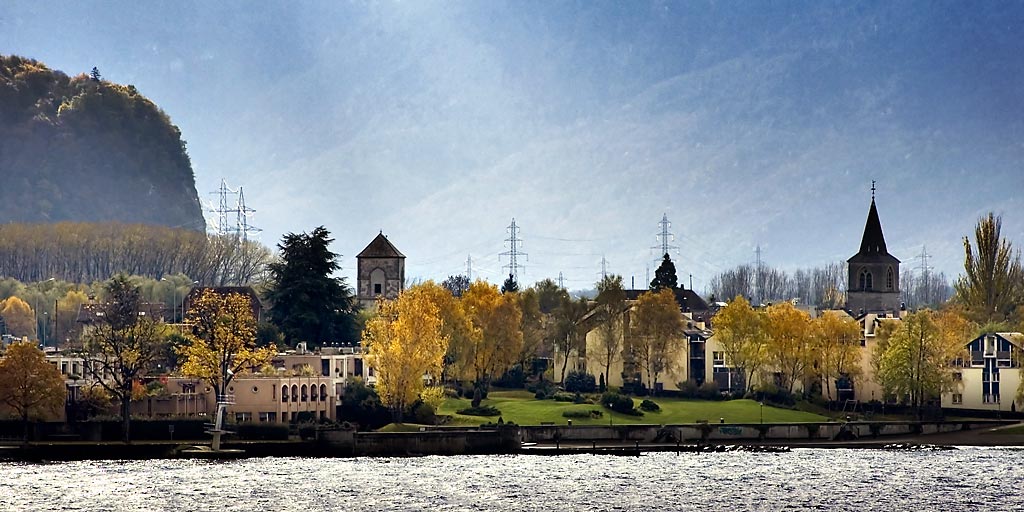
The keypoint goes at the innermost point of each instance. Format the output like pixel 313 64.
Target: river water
pixel 965 479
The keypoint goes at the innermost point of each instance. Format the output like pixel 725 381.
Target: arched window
pixel 313 393
pixel 890 280
pixel 323 392
pixel 865 280
pixel 305 392
pixel 284 393
pixel 377 278
pixel 295 393
pixel 870 285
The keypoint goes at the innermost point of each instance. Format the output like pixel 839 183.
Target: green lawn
pixel 1011 431
pixel 521 408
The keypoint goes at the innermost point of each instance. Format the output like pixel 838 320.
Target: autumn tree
pixel 18 316
pixel 657 333
pixel 835 345
pixel 497 338
pixel 532 325
pixel 29 385
pixel 914 360
pixel 66 324
pixel 788 343
pixel 404 343
pixel 307 302
pixel 611 311
pixel 122 345
pixel 739 330
pixel 222 341
pixel 665 275
pixel 455 327
pixel 569 333
pixel 993 283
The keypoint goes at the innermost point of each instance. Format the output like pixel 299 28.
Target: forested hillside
pixel 84 149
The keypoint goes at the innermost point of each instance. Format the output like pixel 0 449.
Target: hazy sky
pixel 748 123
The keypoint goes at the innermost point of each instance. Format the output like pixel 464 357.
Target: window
pixel 243 416
pixel 889 280
pixel 323 391
pixel 718 358
pixel 990 346
pixel 313 393
pixel 305 393
pixel 865 280
pixel 958 398
pixel 270 417
pixel 284 393
pixel 295 393
pixel 376 289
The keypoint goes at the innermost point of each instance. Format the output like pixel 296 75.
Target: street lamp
pixel 762 411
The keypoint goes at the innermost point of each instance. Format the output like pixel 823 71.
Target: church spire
pixel 873 241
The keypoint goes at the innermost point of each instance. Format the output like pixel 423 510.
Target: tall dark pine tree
pixel 95 74
pixel 510 285
pixel 307 302
pixel 665 275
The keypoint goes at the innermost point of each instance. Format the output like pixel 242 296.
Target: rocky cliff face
pixel 84 149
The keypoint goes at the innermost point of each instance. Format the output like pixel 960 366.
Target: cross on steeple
pixel 872 190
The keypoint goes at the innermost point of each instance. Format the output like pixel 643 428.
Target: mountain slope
pixel 81 149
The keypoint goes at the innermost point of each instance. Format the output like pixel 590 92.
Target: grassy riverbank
pixel 523 409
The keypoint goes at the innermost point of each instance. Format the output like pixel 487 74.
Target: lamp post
pixel 761 404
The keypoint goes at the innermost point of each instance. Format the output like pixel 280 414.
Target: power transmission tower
pixel 925 278
pixel 604 268
pixel 514 251
pixel 665 237
pixel 561 280
pixel 758 275
pixel 243 228
pixel 469 267
pixel 225 210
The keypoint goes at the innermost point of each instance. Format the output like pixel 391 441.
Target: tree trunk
pixel 126 413
pixel 565 363
pixel 24 421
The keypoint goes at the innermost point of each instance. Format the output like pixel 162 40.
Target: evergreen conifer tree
pixel 665 275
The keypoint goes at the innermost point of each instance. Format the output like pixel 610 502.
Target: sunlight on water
pixel 969 478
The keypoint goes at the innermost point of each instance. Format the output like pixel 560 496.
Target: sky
pixel 747 124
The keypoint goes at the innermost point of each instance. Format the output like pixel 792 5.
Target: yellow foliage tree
pixel 18 316
pixel 835 345
pixel 222 343
pixel 739 330
pixel 657 333
pixel 455 326
pixel 788 336
pixel 914 360
pixel 497 336
pixel 404 344
pixel 30 385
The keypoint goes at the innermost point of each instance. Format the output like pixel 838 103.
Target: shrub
pixel 601 387
pixel 583 414
pixel 580 399
pixel 482 410
pixel 562 396
pixel 540 395
pixel 541 384
pixel 422 413
pixel 361 405
pixel 689 389
pixel 774 395
pixel 709 391
pixel 619 403
pixel 580 382
pixel 262 431
pixel 515 377
pixel 650 406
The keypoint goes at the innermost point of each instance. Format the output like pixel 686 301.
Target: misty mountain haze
pixel 439 122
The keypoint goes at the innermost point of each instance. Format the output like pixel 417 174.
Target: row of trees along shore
pixel 87 252
pixel 821 286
